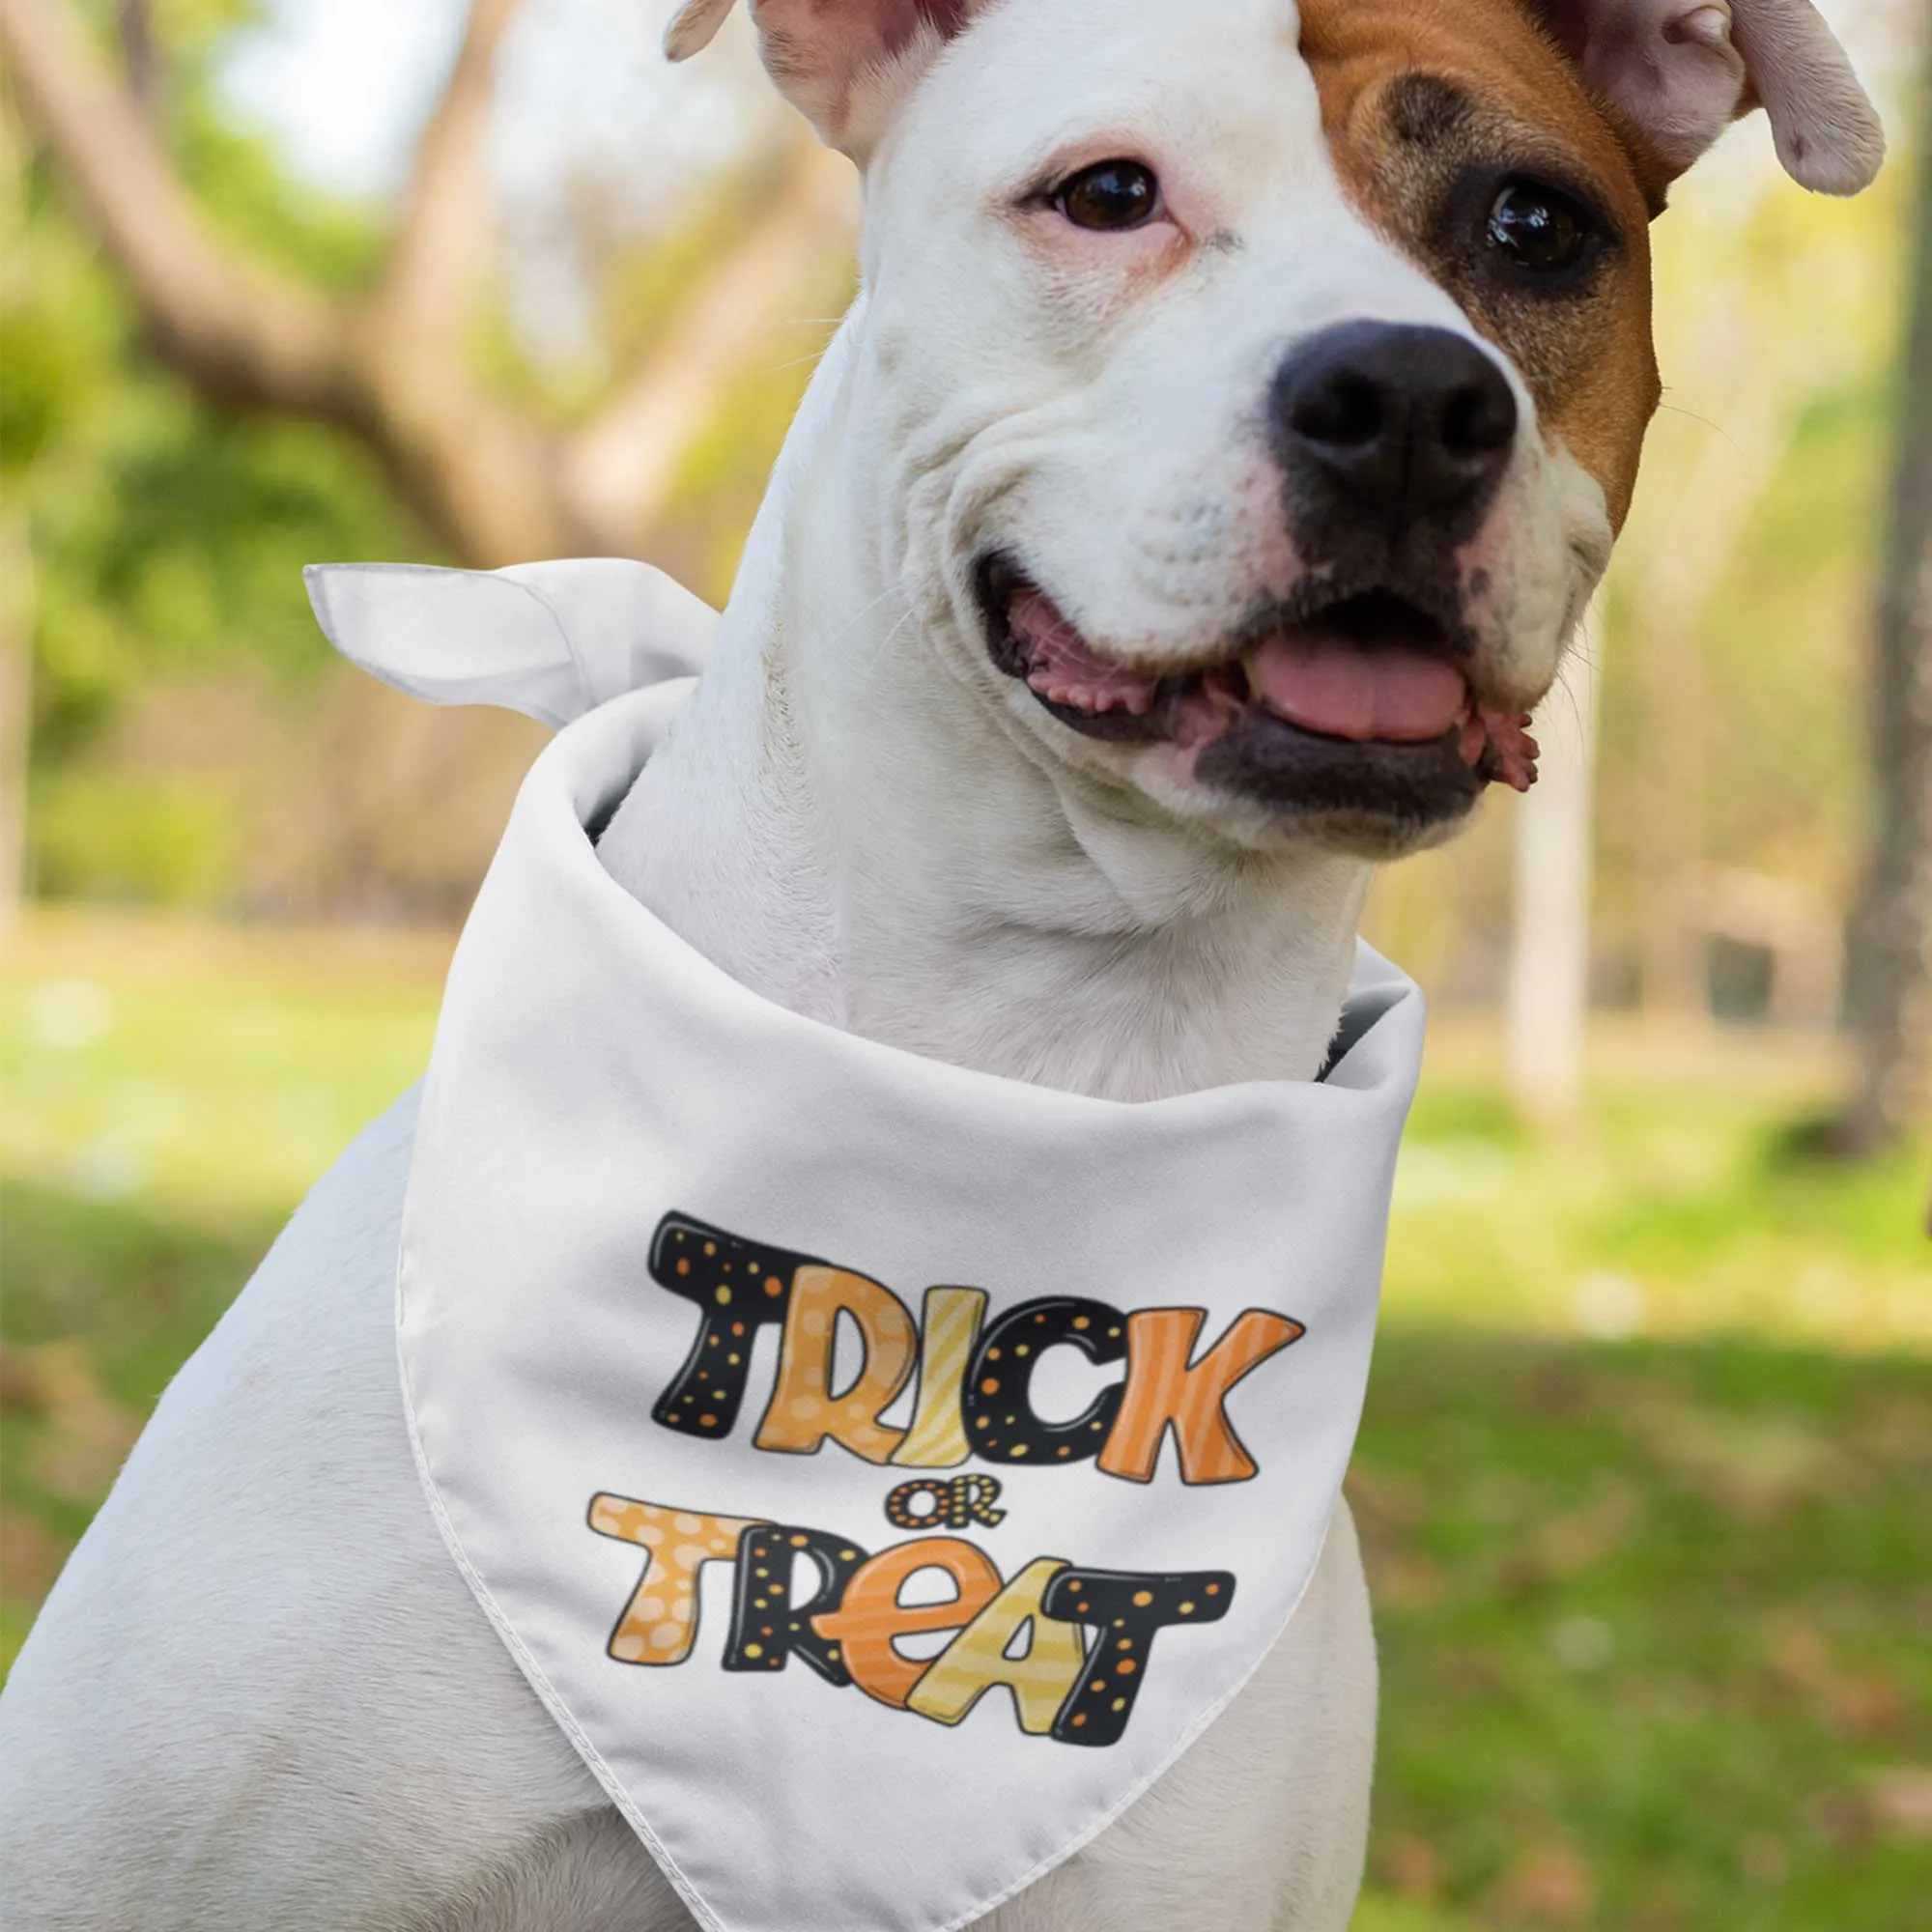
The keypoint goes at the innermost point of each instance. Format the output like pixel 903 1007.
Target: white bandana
pixel 881 1470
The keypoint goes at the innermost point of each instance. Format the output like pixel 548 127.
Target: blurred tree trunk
pixel 137 49
pixel 18 596
pixel 1673 689
pixel 17 691
pixel 1699 504
pixel 495 482
pixel 1891 962
pixel 1548 1001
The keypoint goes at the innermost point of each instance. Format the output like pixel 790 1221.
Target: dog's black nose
pixel 1404 422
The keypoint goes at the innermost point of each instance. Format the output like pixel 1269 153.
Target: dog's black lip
pixel 994 583
pixel 1430 613
pixel 1267 760
pixel 1118 727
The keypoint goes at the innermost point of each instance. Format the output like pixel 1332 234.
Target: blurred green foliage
pixel 1684 1204
pixel 156 839
pixel 1778 335
pixel 168 540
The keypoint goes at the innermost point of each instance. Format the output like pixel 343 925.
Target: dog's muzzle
pixel 1352 696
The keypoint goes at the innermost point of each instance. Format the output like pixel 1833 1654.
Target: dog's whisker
pixel 886 641
pixel 1707 422
pixel 859 615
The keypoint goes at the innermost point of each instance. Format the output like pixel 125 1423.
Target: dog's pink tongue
pixel 1326 685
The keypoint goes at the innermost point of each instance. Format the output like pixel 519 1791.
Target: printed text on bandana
pixel 1072 1644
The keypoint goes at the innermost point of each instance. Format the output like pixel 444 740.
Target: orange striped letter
pixel 1162 1388
pixel 864 1625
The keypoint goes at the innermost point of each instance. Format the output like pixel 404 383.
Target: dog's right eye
pixel 1109 195
pixel 1539 228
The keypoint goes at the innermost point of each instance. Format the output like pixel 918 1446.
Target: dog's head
pixel 1256 390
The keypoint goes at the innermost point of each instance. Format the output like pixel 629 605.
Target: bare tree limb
pixel 620 466
pixel 443 242
pixel 239 334
pixel 138 49
pixel 482 477
pixel 497 485
pixel 483 474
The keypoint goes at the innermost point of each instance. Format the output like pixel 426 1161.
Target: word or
pixel 1084 1637
pixel 975 1376
pixel 926 1503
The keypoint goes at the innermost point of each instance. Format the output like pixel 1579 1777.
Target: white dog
pixel 1235 419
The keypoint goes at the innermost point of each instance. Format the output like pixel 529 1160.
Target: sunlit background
pixel 1645 1475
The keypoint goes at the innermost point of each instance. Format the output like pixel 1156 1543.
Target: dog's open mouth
pixel 1353 704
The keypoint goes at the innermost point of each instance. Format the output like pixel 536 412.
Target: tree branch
pixel 443 242
pixel 482 474
pixel 240 335
pixel 481 477
pixel 619 466
pixel 497 485
pixel 138 49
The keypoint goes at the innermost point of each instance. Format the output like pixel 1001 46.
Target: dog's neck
pixel 846 829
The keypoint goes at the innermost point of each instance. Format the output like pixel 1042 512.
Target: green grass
pixel 1680 1207
pixel 1643 1480
pixel 1653 1619
pixel 204 1081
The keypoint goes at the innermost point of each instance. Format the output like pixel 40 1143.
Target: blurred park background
pixel 1646 1468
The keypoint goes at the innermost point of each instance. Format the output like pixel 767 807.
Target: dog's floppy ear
pixel 1679 72
pixel 841 63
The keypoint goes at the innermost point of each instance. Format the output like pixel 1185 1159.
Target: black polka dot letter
pixel 1000 1422
pixel 1126 1608
pixel 767 1626
pixel 739 1287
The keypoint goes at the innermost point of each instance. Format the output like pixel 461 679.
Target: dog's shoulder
pixel 311 1331
pixel 348 1226
pixel 292 1398
pixel 263 1612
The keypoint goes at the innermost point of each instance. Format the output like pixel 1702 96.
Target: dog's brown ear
pixel 841 63
pixel 1679 72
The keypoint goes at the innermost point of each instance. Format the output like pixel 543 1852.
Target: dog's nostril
pixel 1480 417
pixel 1346 409
pixel 1402 421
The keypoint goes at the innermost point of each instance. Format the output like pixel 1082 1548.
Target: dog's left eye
pixel 1109 195
pixel 1538 228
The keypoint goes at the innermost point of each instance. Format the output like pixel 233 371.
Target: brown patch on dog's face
pixel 1433 110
